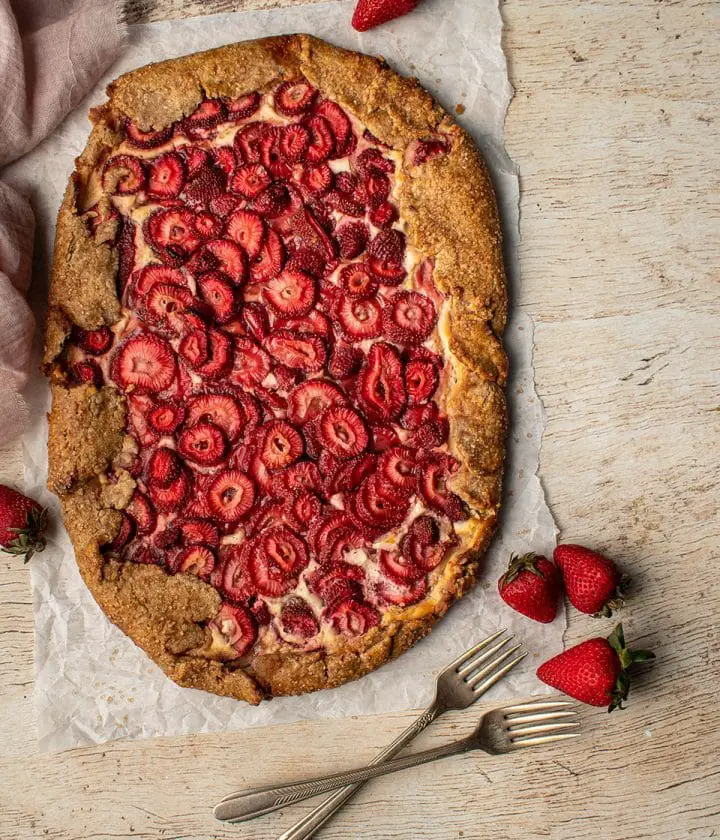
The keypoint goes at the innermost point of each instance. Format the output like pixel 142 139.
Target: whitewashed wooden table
pixel 615 129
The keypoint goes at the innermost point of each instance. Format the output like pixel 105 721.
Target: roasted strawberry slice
pixel 415 416
pixel 196 158
pixel 247 142
pixel 302 352
pixel 236 626
pixel 170 499
pixel 221 409
pixel 422 545
pixel 144 364
pixel 198 531
pixel 401 595
pixel 433 472
pixel 397 465
pixel 293 98
pixel 220 356
pixel 146 139
pixel 249 180
pixel 377 188
pixel 357 282
pixel 243 107
pixel 281 445
pixel 273 201
pixel 314 323
pixel 172 233
pixel 248 230
pixel 383 438
pixel 372 162
pixel 279 556
pixel 207 225
pixel 266 515
pixel 219 295
pixel 285 377
pixel 425 150
pixel 322 144
pixel 204 443
pixel 340 125
pixel 125 533
pixel 165 417
pixel 305 507
pixel 252 363
pixel 87 372
pixel 410 318
pixel 380 385
pixel 166 176
pixel 388 245
pixel 294 142
pixel 195 348
pixel 225 159
pixel 350 474
pixel 297 478
pixel 309 400
pixel 222 206
pixel 95 342
pixel 421 381
pixel 231 495
pixel 123 175
pixel 317 179
pixel 322 530
pixel 430 434
pixel 255 319
pixel 345 360
pixel 343 432
pixel 298 619
pixel 336 583
pixel 377 510
pixel 352 239
pixel 198 560
pixel 165 301
pixel 399 567
pixel 205 185
pixel 208 113
pixel 291 292
pixel 163 467
pixel 308 260
pixel 222 255
pixel 152 275
pixel 360 319
pixel 262 476
pixel 351 617
pixel 232 577
pixel 269 261
pixel 384 215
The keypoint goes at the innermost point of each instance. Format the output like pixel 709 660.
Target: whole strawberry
pixel 371 13
pixel 594 585
pixel 22 524
pixel 531 586
pixel 596 671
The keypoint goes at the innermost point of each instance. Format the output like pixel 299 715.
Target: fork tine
pixel 483 672
pixel 498 675
pixel 474 663
pixel 540 729
pixel 546 739
pixel 534 706
pixel 473 650
pixel 523 719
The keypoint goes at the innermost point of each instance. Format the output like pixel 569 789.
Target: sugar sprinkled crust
pixel 449 210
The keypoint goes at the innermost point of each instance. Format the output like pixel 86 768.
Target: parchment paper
pixel 92 683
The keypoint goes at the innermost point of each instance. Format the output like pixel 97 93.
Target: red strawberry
pixel 321 140
pixel 434 470
pixel 303 352
pixel 165 417
pixel 352 238
pixel 342 431
pixel 297 619
pixel 401 595
pixel 220 356
pixel 225 159
pixel 237 626
pixel 22 524
pixel 195 348
pixel 360 319
pixel 208 113
pixel 148 276
pixel 96 342
pixel 231 495
pixel 595 671
pixel 163 467
pixel 244 107
pixel 172 233
pixel 123 174
pixel 410 318
pixel 273 201
pixel 308 260
pixel 270 259
pixel 298 478
pixel 144 364
pixel 318 179
pixel 196 159
pixel 345 360
pixel 171 498
pixel 208 225
pixel 125 534
pixel 593 583
pixel 384 215
pixel 339 123
pixel 226 256
pixel 336 583
pixel 421 381
pixel 293 98
pixel 349 474
pixel 282 444
pixel 531 585
pixel 142 513
pixel 305 508
pixel 249 180
pixel 219 295
pixel 146 139
pixel 291 292
pixel 197 531
pixel 222 410
pixel 294 142
pixel 165 302
pixel 198 560
pixel 425 150
pixel 255 319
pixel 252 363
pixel 350 617
pixel 388 246
pixel 381 389
pixel 357 281
pixel 203 443
pixel 166 176
pixel 377 188
pixel 247 229
pixel 399 567
pixel 87 372
pixel 278 558
pixel 397 465
pixel 309 400
pixel 205 186
pixel 371 13
pixel 422 543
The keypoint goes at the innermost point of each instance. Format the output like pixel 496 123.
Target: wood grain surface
pixel 614 127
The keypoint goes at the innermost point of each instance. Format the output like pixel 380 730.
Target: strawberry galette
pixel 273 339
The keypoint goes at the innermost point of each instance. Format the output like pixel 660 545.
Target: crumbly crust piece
pixel 450 213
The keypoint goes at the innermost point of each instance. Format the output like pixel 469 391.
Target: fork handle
pixel 305 827
pixel 254 803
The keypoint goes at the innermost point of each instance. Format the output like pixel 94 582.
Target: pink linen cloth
pixel 51 53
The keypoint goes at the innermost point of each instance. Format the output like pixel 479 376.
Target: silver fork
pixel 457 687
pixel 500 731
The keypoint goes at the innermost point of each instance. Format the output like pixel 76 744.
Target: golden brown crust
pixel 449 210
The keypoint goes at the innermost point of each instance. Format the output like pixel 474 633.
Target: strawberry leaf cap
pixel 627 659
pixel 617 600
pixel 521 563
pixel 30 539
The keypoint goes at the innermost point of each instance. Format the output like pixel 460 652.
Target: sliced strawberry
pixel 313 447
pixel 342 541
pixel 222 206
pixel 322 530
pixel 166 176
pixel 165 417
pixel 388 245
pixel 350 474
pixel 360 319
pixel 163 467
pixel 308 260
pixel 357 282
pixel 233 577
pixel 204 443
pixel 225 159
pixel 314 323
pixel 87 372
pixel 378 189
pixel 345 204
pixel 278 558
pixel 323 215
pixel 322 144
pixel 339 123
pixel 196 158
pixel 433 472
pixel 247 142
pixel 421 381
pixel 204 186
pixel 255 319
pixel 123 175
pixel 126 248
pixel 144 364
pixel 298 478
pixel 266 515
pixel 231 495
pixel 350 617
pixel 425 150
pixel 219 295
pixel 270 259
pixel 293 98
pixel 415 416
pixel 281 445
pixel 401 595
pixel 198 560
pixel 95 342
pixel 151 275
pixel 220 356
pixel 345 360
pixel 297 619
pixel 422 545
pixel 273 201
pixel 273 402
pixel 207 225
pixel 252 363
pixel 377 508
pixel 291 292
pixel 208 113
pixel 125 533
pixel 383 438
pixel 384 215
pixel 142 513
pixel 223 410
pixel 310 399
pixel 430 434
pixel 261 612
pixel 172 233
pixel 373 162
pixel 336 583
pixel 397 465
pixel 262 476
pixel 165 302
pixel 244 106
pixel 249 180
pixel 248 230
pixel 237 626
pixel 195 348
pixel 303 352
pixel 294 142
pixel 352 238
pixel 226 256
pixel 146 139
pixel 317 179
pixel 399 568
pixel 410 318
pixel 305 508
pixel 285 377
pixel 381 389
pixel 197 531
pixel 343 432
